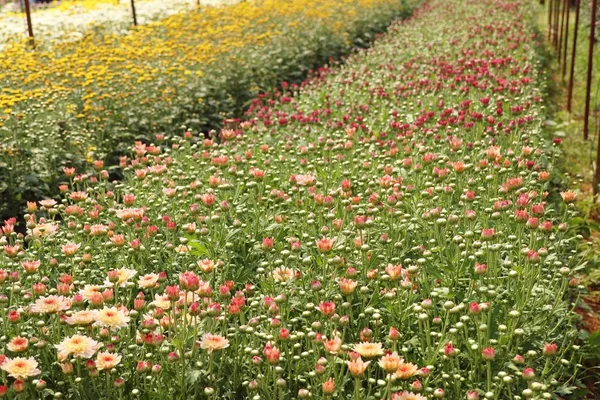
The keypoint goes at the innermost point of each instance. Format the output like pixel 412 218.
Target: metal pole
pixel 133 12
pixel 588 89
pixel 567 12
pixel 29 25
pixel 573 55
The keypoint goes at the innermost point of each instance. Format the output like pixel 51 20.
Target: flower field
pixel 385 230
pixel 71 102
pixel 71 19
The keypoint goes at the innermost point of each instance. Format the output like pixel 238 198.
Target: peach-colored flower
pixel 79 346
pixel 162 301
pixel 347 286
pixel 111 317
pixel 324 245
pixel 212 342
pixel 390 362
pixel 18 344
pixel 368 349
pixel 305 180
pixel 83 317
pixel 182 249
pixel 89 290
pixel 148 281
pixel 48 203
pixel 50 304
pixel 206 265
pixel 406 370
pixel 407 396
pixel 569 196
pixel 394 271
pixel 124 275
pixel 106 360
pixel 20 367
pixel 70 249
pixel 332 346
pixel 43 230
pixel 283 274
pixel 131 213
pixel 357 367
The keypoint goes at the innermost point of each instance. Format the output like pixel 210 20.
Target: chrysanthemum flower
pixel 162 301
pixel 357 367
pixel 407 396
pixel 212 342
pixel 20 367
pixel 18 344
pixel 90 290
pixel 148 281
pixel 106 360
pixel 83 317
pixel 390 362
pixel 332 346
pixel 283 274
pixel 406 370
pixel 79 346
pixel 111 317
pixel 206 265
pixel 50 304
pixel 123 275
pixel 368 349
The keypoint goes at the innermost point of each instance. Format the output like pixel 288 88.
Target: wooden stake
pixel 573 56
pixel 567 12
pixel 555 29
pixel 133 12
pixel 550 20
pixel 29 25
pixel 561 29
pixel 588 87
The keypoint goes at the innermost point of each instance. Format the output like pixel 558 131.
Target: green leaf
pixel 192 376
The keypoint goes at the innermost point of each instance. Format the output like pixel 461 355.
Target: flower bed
pixel 72 102
pixel 71 20
pixel 385 233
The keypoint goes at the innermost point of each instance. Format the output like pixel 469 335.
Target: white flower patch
pixel 59 24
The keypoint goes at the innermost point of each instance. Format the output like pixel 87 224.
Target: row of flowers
pixel 72 19
pixel 386 230
pixel 67 103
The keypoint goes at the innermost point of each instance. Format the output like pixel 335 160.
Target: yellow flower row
pixel 181 44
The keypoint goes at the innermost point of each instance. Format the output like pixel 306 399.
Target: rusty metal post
pixel 573 56
pixel 29 25
pixel 133 12
pixel 588 87
pixel 566 13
